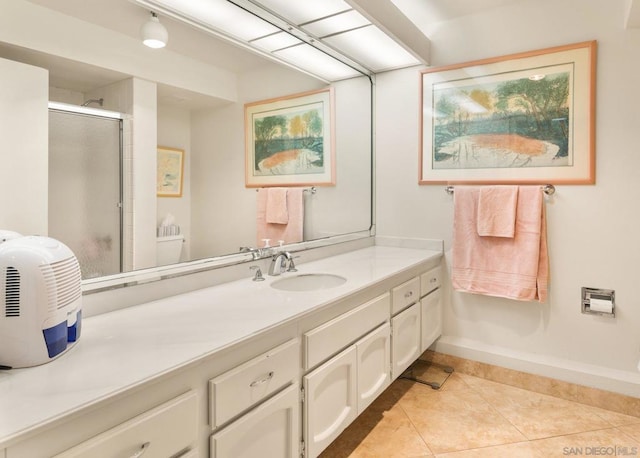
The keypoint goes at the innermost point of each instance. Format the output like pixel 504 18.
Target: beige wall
pixel 24 135
pixel 592 230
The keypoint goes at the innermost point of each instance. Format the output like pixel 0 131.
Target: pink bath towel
pixel 515 268
pixel 277 211
pixel 292 232
pixel 497 211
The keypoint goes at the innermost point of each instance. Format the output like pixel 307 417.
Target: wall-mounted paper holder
pixel 597 301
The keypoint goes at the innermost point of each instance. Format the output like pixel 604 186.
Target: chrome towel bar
pixel 311 190
pixel 548 189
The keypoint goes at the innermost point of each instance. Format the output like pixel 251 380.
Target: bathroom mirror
pixel 216 213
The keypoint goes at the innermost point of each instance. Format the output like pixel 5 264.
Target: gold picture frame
pixel 290 141
pixel 170 172
pixel 520 118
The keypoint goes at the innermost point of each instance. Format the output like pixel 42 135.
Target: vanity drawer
pixel 160 432
pixel 430 280
pixel 246 385
pixel 405 294
pixel 326 340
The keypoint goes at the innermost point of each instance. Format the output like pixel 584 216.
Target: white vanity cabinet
pixel 252 382
pixel 330 401
pixel 274 424
pixel 338 390
pixel 283 389
pixel 167 430
pixel 405 326
pixel 405 339
pixel 430 307
pixel 373 363
pixel 271 429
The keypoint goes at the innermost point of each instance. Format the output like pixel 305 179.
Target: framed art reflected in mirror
pixel 170 172
pixel 289 141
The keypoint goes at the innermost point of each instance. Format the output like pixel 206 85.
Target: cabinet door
pixel 405 339
pixel 271 429
pixel 330 401
pixel 431 316
pixel 374 365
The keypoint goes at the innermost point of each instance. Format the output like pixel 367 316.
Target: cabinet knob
pixel 408 294
pixel 142 451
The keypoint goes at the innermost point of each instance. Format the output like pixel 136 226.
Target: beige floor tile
pixel 475 382
pixel 383 430
pixel 408 390
pixel 605 442
pixel 458 420
pixel 472 417
pixel 615 418
pixel 517 450
pixel 454 382
pixel 539 415
pixel 632 431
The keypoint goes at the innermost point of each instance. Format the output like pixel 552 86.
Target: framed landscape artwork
pixel 522 118
pixel 289 141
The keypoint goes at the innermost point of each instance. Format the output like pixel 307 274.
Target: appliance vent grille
pixel 62 280
pixel 12 292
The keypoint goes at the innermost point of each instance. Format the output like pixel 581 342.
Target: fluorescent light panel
pixel 316 62
pixel 222 16
pixel 367 46
pixel 276 41
pixel 302 11
pixel 372 48
pixel 336 24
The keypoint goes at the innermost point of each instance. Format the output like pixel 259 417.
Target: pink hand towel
pixel 497 211
pixel 277 212
pixel 292 232
pixel 515 268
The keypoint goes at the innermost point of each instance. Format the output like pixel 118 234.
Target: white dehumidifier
pixel 40 301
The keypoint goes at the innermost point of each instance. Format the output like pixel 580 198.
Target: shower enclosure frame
pixel 121 117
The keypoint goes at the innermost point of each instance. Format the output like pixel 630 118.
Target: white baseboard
pixel 617 381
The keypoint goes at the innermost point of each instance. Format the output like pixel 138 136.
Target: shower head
pixel 98 101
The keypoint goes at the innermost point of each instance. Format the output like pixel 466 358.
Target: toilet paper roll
pixel 601 305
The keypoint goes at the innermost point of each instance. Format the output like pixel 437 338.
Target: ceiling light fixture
pixel 154 34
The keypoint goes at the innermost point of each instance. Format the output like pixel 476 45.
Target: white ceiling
pixel 126 17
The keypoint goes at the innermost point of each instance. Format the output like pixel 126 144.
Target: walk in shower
pixel 86 186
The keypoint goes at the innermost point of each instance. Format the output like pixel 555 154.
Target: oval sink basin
pixel 308 282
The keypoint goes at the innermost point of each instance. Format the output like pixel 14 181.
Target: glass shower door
pixel 85 189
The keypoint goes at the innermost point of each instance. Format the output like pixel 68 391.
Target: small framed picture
pixel 170 172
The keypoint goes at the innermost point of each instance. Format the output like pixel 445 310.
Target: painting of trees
pixel 512 118
pixel 523 117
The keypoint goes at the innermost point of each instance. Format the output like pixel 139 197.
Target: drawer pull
pixel 261 381
pixel 408 294
pixel 142 450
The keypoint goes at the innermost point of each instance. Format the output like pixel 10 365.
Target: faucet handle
pixel 258 276
pixel 292 266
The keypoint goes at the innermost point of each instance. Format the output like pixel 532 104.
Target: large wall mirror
pixel 188 97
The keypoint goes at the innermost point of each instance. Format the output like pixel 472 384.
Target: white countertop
pixel 122 349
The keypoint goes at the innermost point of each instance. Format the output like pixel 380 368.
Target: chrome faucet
pixel 256 253
pixel 291 265
pixel 280 262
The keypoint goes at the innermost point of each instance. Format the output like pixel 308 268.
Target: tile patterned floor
pixel 470 417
